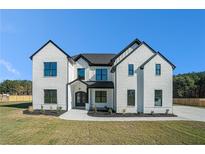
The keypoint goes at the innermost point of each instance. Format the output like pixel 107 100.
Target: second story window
pixel 50 68
pixel 130 69
pixel 81 73
pixel 158 69
pixel 101 74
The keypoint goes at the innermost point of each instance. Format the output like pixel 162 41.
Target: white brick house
pixel 137 79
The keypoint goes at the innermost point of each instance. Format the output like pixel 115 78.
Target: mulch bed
pixel 46 112
pixel 106 114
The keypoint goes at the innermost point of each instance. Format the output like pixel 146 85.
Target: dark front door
pixel 80 98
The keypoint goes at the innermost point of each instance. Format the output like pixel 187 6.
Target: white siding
pixel 81 63
pixel 125 53
pixel 49 54
pixel 153 82
pixel 125 82
pixel 92 73
pixel 90 70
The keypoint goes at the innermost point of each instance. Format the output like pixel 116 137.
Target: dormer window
pixel 101 74
pixel 81 73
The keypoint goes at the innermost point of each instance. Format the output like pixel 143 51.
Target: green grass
pixel 17 128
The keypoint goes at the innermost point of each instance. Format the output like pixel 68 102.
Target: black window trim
pixel 50 75
pixel 158 69
pixel 161 100
pixel 132 71
pixel 56 96
pixel 128 98
pixel 101 96
pixel 101 74
pixel 84 73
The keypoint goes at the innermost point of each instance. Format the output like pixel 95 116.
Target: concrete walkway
pixel 183 112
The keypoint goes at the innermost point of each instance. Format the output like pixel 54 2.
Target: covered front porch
pixel 90 94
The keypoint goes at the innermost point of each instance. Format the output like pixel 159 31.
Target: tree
pixel 189 85
pixel 13 87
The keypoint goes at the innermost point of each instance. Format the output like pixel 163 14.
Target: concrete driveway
pixel 183 112
pixel 189 112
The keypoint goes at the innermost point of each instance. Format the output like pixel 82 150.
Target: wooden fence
pixel 15 98
pixel 190 101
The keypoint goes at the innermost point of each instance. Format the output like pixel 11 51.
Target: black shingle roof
pixel 100 84
pixel 95 84
pixel 96 59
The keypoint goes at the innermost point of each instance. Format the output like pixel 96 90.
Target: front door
pixel 80 98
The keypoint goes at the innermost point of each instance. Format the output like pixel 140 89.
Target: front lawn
pixel 17 128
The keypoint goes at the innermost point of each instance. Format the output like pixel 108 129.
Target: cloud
pixel 9 67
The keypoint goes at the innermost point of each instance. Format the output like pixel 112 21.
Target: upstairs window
pixel 158 97
pixel 130 69
pixel 50 69
pixel 81 73
pixel 158 69
pixel 101 74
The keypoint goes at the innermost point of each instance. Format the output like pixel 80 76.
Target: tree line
pixel 16 87
pixel 189 85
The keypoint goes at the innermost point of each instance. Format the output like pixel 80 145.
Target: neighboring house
pixel 137 79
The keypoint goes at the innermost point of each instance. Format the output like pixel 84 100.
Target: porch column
pixel 89 98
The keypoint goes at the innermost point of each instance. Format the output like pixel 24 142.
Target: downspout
pixel 67 87
pixel 115 90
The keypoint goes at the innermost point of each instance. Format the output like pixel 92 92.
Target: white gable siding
pixel 125 53
pixel 125 82
pixel 153 82
pixel 49 54
pixel 92 73
pixel 81 63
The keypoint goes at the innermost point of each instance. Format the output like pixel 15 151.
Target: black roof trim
pixel 77 80
pixel 95 84
pixel 100 84
pixel 81 56
pixel 50 41
pixel 129 45
pixel 114 67
pixel 158 53
pixel 142 66
pixel 91 63
pixel 149 47
pixel 173 66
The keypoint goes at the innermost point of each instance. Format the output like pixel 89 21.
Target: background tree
pixel 189 85
pixel 16 87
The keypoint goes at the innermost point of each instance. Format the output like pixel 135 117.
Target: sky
pixel 178 34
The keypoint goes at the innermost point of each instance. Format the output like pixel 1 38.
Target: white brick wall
pixel 153 82
pixel 49 54
pixel 144 82
pixel 125 82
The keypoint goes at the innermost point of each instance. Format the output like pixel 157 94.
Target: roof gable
pixel 50 41
pixel 137 41
pixel 142 43
pixel 158 53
